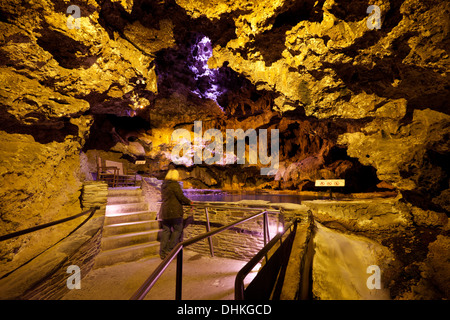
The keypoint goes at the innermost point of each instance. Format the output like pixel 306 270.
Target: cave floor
pixel 204 278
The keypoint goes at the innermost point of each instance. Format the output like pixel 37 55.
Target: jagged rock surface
pixel 370 106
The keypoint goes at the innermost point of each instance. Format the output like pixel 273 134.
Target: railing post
pixel 208 229
pixel 239 287
pixel 266 228
pixel 266 231
pixel 179 275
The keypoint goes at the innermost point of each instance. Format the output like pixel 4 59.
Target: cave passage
pixel 333 114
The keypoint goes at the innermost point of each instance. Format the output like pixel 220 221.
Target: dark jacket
pixel 172 200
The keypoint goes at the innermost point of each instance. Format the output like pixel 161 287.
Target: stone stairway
pixel 130 230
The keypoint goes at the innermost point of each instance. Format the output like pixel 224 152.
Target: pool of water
pixel 231 197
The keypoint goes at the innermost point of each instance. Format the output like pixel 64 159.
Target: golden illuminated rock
pixel 392 148
pixel 356 94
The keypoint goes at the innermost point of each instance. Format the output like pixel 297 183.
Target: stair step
pixel 127 207
pixel 130 227
pixel 130 230
pixel 126 254
pixel 125 199
pixel 128 239
pixel 129 217
pixel 119 192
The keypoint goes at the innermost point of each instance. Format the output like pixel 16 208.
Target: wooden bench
pixel 330 183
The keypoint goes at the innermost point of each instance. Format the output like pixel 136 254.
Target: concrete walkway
pixel 204 278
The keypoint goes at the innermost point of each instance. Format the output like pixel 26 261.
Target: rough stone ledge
pixel 22 283
pixel 361 215
pixel 374 214
pixel 45 275
pixel 296 280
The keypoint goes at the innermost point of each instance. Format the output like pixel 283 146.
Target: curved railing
pixel 274 275
pixel 91 212
pixel 178 251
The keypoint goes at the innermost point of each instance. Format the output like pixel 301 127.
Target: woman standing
pixel 171 212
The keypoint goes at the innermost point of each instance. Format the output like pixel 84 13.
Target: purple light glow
pixel 200 53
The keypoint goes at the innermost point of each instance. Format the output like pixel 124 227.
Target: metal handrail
pixel 219 206
pixel 239 281
pixel 178 251
pixel 204 204
pixel 208 204
pixel 46 225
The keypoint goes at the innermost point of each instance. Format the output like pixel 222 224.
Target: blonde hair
pixel 172 175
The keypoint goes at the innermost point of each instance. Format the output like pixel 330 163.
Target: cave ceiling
pixel 137 69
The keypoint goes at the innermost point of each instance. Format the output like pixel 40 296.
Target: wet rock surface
pixel 405 237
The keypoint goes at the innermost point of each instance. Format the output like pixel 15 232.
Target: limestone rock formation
pixel 337 256
pixel 408 156
pixel 116 77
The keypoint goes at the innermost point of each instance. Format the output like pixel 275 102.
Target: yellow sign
pixel 330 183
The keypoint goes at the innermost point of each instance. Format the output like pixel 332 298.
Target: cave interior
pixel 116 78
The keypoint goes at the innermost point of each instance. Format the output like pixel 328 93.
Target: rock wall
pixel 45 275
pixel 401 239
pixel 132 72
pixel 39 184
pixel 151 189
pixel 409 156
pixel 340 263
pixel 370 106
pixel 95 193
pixel 51 75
